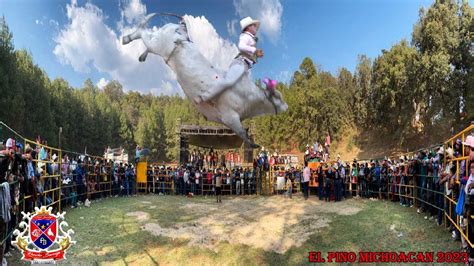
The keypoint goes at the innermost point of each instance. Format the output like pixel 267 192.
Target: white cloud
pixel 269 12
pixel 134 11
pixel 218 51
pixel 102 83
pixel 88 44
pixel 232 27
pixel 166 88
pixel 284 76
pixel 53 22
pixel 45 21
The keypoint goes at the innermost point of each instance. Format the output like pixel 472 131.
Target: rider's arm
pixel 245 42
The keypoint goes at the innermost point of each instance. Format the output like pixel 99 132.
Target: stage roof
pixel 217 137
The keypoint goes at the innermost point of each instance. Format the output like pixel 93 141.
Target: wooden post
pixel 178 136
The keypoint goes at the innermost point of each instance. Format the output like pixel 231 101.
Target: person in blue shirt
pixel 126 182
pixel 377 180
pixel 80 180
pixel 137 154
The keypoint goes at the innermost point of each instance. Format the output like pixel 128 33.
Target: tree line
pixel 417 88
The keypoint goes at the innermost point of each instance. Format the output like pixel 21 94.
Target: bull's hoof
pixel 126 40
pixel 142 57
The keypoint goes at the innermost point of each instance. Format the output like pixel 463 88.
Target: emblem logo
pixel 43 237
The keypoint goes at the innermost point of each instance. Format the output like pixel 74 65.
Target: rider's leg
pixel 235 72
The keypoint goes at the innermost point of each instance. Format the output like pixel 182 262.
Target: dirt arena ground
pixel 248 230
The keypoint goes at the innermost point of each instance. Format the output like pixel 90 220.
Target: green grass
pixel 106 235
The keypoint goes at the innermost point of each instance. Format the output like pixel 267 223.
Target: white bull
pixel 196 74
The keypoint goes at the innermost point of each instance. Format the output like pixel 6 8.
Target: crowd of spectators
pixel 188 180
pixel 35 175
pixel 438 181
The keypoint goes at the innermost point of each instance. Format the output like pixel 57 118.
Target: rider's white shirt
pixel 247 43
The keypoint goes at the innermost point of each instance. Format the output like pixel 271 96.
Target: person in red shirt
pixel 235 158
pixel 228 157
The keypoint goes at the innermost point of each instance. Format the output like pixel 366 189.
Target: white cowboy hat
pixel 469 141
pixel 245 22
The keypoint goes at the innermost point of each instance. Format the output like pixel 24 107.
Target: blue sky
pixel 331 32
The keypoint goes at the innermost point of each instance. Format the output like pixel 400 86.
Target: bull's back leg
pixel 232 120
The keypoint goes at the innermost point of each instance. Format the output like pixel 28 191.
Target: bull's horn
pixel 172 15
pixel 146 20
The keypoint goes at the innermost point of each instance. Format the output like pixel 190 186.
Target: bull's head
pixel 277 99
pixel 161 41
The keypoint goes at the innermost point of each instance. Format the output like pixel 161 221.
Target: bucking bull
pixel 196 74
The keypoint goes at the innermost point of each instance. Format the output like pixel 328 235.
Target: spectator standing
pixel 237 182
pixel 289 186
pixel 321 176
pixel 137 154
pixel 197 181
pixel 185 182
pixel 337 183
pixel 328 183
pixel 306 177
pixel 219 186
pixel 192 180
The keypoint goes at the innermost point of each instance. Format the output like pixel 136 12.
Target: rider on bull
pixel 247 57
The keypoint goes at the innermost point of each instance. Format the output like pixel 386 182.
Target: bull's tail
pixel 172 15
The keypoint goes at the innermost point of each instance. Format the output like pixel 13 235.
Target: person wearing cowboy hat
pixel 247 57
pixel 469 147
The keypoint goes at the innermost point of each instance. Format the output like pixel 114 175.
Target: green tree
pixel 12 102
pixel 443 41
pixel 392 90
pixel 151 132
pixel 363 91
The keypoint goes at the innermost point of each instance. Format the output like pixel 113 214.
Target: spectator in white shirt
pixel 306 177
